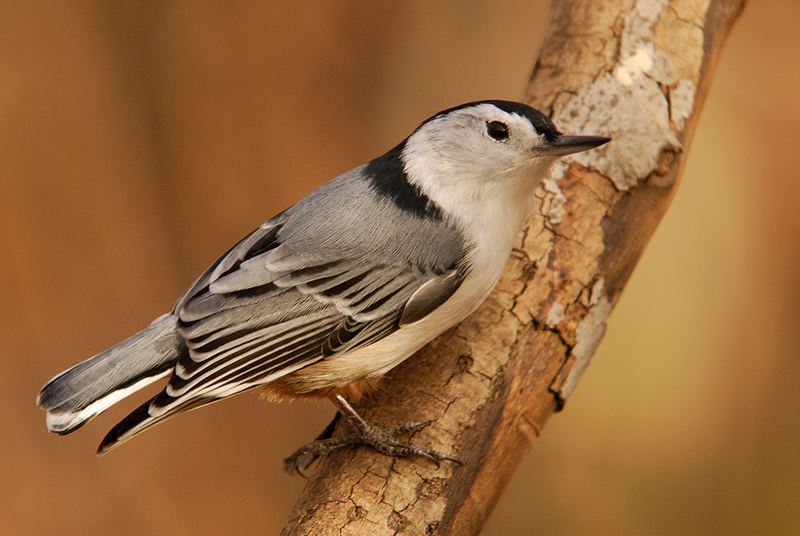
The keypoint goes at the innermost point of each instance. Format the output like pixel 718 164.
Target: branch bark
pixel 638 70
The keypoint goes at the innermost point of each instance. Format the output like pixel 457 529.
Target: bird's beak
pixel 571 144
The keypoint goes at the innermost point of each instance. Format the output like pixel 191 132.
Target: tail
pixel 78 394
pixel 144 417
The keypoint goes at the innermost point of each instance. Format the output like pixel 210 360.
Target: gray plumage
pixel 291 293
pixel 345 284
pixel 138 360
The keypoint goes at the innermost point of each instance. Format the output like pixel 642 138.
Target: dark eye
pixel 497 130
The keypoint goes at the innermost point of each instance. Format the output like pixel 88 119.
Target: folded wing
pixel 265 310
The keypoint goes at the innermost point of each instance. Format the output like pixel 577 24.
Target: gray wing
pixel 283 299
pixel 264 311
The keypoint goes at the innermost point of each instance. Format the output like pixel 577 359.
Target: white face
pixel 476 144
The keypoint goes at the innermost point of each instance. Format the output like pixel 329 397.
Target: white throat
pixel 489 210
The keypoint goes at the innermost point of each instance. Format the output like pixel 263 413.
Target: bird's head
pixel 487 142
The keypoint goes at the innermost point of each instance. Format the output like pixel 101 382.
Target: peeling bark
pixel 638 70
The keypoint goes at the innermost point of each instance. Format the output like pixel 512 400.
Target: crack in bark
pixel 682 19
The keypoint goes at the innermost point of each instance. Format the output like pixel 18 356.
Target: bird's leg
pixel 361 433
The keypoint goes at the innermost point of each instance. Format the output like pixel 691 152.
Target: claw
pixel 293 465
pixel 303 457
pixel 362 433
pixel 410 427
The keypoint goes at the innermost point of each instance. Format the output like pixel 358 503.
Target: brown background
pixel 139 140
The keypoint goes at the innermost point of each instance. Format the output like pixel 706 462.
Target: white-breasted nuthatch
pixel 341 287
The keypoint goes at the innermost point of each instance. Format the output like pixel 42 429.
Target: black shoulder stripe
pixel 389 179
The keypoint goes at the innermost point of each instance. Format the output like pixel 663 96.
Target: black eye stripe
pixel 497 130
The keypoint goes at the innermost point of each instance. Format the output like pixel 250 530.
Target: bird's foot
pixel 384 440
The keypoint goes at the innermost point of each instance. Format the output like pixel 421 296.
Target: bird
pixel 327 296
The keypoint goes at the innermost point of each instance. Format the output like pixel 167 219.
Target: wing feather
pixel 264 310
pixel 298 290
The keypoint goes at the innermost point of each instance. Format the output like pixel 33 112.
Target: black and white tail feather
pixel 77 395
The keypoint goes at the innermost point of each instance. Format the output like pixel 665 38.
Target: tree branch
pixel 637 70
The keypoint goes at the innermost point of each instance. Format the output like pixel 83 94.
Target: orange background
pixel 139 140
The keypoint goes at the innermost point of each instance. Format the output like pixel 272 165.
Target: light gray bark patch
pixel 633 102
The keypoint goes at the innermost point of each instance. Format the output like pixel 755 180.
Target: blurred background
pixel 139 140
